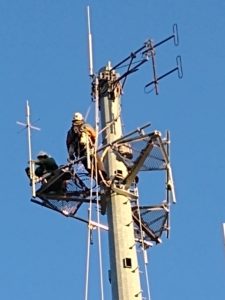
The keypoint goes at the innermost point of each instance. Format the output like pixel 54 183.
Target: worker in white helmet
pixel 79 137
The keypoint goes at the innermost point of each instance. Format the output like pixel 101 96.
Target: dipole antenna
pixel 28 126
pixel 146 52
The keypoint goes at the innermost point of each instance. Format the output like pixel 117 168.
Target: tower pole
pixel 124 273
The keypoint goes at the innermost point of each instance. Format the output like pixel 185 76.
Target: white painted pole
pixel 125 276
pixel 31 162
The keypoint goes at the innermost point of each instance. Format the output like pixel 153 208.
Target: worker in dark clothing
pixel 44 164
pixel 80 137
pixel 45 169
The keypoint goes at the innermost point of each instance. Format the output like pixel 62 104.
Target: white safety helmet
pixel 78 117
pixel 42 154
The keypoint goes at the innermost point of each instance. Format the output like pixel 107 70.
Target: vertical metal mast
pixel 29 134
pixel 31 163
pixel 124 273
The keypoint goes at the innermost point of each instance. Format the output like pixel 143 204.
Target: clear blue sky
pixel 43 58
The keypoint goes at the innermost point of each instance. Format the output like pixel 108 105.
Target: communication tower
pixel 125 155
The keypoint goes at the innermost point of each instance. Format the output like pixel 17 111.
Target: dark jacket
pixel 45 165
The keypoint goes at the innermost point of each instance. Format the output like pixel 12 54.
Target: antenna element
pixel 90 43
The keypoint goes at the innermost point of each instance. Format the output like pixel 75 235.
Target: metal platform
pixel 139 152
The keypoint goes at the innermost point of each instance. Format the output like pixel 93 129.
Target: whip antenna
pixel 90 43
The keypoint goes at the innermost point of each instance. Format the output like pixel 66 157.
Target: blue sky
pixel 43 58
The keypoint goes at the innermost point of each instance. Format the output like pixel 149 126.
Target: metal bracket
pixel 123 192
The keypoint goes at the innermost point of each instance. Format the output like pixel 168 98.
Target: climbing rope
pixel 94 174
pixel 97 197
pixel 143 250
pixel 88 240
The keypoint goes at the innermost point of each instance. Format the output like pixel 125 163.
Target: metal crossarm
pixel 138 164
pixel 153 145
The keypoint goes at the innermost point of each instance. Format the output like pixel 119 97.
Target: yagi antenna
pixel 28 126
pixel 146 52
pixel 91 73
